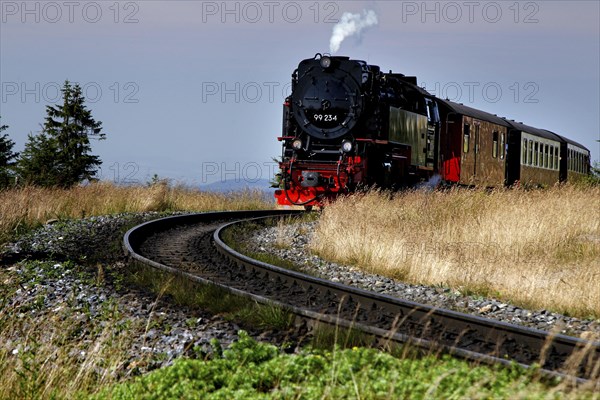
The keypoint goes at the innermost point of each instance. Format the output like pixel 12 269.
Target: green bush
pixel 251 370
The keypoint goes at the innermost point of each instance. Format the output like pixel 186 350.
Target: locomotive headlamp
pixel 297 144
pixel 325 62
pixel 346 146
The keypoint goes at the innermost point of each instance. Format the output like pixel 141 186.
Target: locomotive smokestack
pixel 351 24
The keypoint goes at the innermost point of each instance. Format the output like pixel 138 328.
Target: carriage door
pixel 433 123
pixel 475 148
pixel 515 157
pixel 470 152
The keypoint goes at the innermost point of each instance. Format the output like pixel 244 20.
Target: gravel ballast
pixel 73 270
pixel 290 243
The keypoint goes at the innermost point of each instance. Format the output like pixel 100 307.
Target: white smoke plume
pixel 431 184
pixel 351 24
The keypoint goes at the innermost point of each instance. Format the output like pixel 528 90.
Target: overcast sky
pixel 192 90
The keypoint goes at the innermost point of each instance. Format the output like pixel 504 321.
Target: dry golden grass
pixel 29 206
pixel 49 352
pixel 535 248
pixel 53 349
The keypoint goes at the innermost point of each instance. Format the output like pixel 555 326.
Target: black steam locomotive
pixel 347 125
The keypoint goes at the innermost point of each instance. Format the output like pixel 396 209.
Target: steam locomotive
pixel 348 125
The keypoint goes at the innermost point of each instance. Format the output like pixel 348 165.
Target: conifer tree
pixel 60 154
pixel 7 157
pixel 38 164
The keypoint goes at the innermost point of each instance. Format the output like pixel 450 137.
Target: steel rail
pixel 387 318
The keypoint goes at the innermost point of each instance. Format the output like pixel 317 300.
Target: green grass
pixel 212 298
pixel 251 370
pixel 327 337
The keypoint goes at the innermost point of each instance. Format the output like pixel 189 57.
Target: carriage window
pixel 466 136
pixel 570 158
pixel 545 156
pixel 494 144
pixel 551 158
pixel 502 146
pixel 536 154
pixel 556 158
pixel 530 153
pixel 524 152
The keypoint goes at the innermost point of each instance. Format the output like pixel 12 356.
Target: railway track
pixel 192 246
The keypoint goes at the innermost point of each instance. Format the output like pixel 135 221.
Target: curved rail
pixel 386 318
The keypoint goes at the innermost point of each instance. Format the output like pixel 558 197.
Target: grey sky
pixel 193 90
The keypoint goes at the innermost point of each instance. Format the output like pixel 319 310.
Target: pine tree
pixel 38 164
pixel 60 155
pixel 7 157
